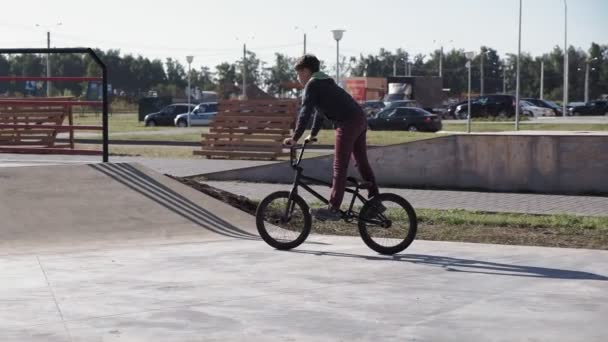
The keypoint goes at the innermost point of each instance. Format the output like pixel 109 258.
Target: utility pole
pixel 542 78
pixel 48 64
pixel 441 62
pixel 244 71
pixel 481 73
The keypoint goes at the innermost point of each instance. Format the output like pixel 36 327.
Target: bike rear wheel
pixel 392 231
pixel 283 223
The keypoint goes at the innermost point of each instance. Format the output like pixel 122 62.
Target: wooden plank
pixel 249 131
pixel 52 127
pixel 242 143
pixel 253 119
pixel 272 125
pixel 242 137
pixel 47 150
pixel 244 149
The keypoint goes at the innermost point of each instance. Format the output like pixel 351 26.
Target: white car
pixel 529 109
pixel 201 115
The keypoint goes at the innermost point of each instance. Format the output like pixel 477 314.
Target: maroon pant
pixel 350 139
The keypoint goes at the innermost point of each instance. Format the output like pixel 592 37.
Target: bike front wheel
pixel 393 230
pixel 283 223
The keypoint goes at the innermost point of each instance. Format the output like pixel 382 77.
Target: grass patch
pixel 117 122
pixel 466 226
pixel 498 228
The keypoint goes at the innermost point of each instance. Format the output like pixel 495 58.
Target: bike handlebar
pixel 302 147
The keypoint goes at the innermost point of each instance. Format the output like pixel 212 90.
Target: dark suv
pixel 489 105
pixel 591 108
pixel 167 115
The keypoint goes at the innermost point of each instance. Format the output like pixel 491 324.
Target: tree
pixel 280 74
pixel 226 80
pixel 252 64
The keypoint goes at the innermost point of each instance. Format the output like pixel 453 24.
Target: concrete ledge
pixel 553 164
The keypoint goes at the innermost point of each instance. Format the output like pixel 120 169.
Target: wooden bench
pixel 249 129
pixel 31 125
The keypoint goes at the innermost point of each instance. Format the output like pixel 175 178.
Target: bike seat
pixel 360 184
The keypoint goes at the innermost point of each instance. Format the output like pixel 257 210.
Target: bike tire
pixel 396 206
pixel 267 220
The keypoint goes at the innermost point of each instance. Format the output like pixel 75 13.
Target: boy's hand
pixel 289 142
pixel 310 139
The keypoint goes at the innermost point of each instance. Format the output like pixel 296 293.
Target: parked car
pixel 591 108
pixel 372 107
pixel 530 109
pixel 489 105
pixel 451 112
pixel 405 118
pixel 167 115
pixel 557 110
pixel 400 103
pixel 201 115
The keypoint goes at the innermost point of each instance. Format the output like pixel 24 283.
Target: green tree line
pixel 135 76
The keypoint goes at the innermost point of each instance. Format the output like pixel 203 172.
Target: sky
pixel 215 31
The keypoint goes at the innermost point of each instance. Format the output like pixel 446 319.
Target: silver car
pixel 201 115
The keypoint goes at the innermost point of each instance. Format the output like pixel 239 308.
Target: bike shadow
pixel 469 266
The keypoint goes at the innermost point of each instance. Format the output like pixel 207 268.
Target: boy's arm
pixel 309 103
pixel 317 123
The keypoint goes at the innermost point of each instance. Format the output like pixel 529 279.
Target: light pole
pixel 518 68
pixel 338 34
pixel 481 78
pixel 469 55
pixel 441 57
pixel 565 104
pixel 303 31
pixel 542 78
pixel 398 59
pixel 587 78
pixel 245 68
pixel 189 59
pixel 48 60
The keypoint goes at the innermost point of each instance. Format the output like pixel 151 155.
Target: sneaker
pixel 326 214
pixel 375 208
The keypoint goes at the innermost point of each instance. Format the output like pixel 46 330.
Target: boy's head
pixel 305 67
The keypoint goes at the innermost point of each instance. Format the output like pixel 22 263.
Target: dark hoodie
pixel 324 97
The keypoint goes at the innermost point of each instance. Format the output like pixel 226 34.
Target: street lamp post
pixel 504 79
pixel 48 59
pixel 587 78
pixel 441 57
pixel 542 78
pixel 338 34
pixel 565 104
pixel 518 68
pixel 481 69
pixel 469 55
pixel 302 29
pixel 189 59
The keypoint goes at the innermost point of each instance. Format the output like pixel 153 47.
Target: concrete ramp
pixel 71 207
pixel 553 164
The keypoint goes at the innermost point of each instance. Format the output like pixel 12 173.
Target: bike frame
pixel 300 181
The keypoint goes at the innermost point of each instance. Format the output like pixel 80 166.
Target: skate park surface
pixel 120 252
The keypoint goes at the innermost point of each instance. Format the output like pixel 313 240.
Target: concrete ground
pixel 333 289
pixel 119 252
